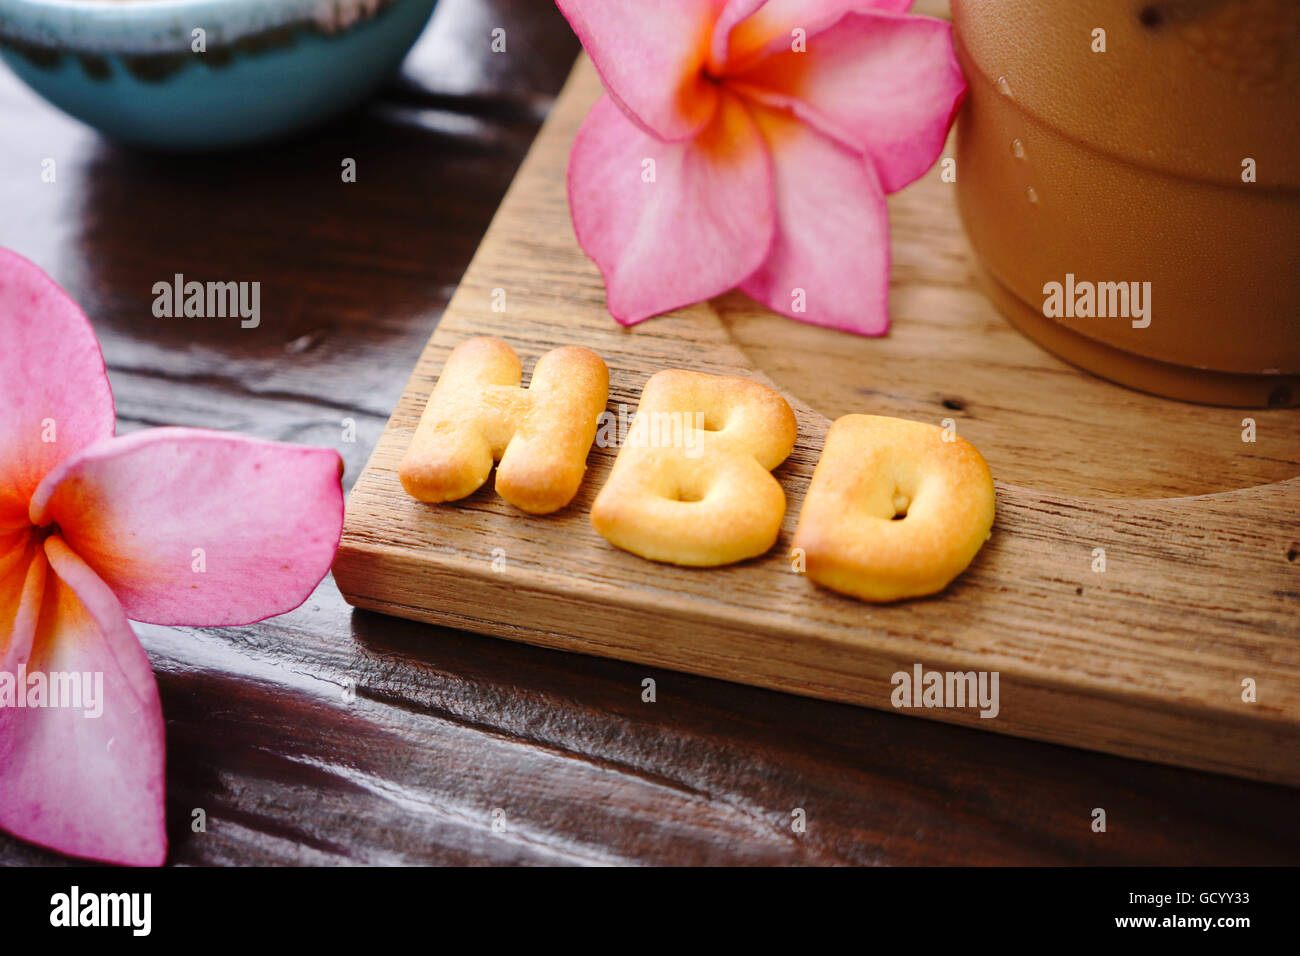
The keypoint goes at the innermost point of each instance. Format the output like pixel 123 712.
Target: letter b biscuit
pixel 692 484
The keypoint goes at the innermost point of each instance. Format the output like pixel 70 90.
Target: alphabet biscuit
pixel 894 510
pixel 478 414
pixel 692 484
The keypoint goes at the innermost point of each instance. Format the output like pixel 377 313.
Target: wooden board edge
pixel 1201 738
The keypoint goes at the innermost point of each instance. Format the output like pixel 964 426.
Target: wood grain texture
pixel 441 727
pixel 1146 659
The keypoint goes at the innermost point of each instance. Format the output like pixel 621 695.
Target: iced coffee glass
pixel 1129 176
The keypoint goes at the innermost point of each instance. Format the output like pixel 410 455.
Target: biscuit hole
pixel 901 504
pixel 712 422
pixel 687 496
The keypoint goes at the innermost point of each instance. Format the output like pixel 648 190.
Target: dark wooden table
pixel 336 736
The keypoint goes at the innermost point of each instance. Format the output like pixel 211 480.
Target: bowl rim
pixel 163 26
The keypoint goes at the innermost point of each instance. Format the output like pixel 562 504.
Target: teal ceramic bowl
pixel 133 68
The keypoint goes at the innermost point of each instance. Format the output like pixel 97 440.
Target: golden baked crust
pixel 873 469
pixel 692 484
pixel 478 414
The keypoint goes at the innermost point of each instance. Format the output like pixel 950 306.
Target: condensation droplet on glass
pixel 1003 86
pixel 1032 193
pixel 1017 149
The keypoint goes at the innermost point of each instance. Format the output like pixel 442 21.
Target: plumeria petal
pixel 829 264
pixel 887 85
pixel 720 40
pixel 747 30
pixel 54 395
pixel 189 526
pixel 22 570
pixel 85 785
pixel 670 224
pixel 651 57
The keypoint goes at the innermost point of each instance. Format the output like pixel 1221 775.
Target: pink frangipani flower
pixel 750 144
pixel 168 526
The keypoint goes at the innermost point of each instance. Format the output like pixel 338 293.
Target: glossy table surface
pixel 331 735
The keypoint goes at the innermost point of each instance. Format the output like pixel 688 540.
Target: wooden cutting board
pixel 1146 658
